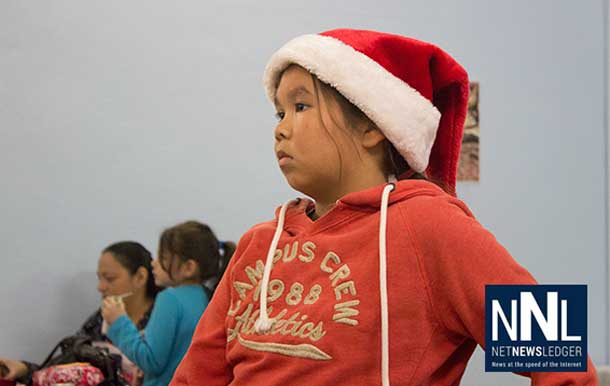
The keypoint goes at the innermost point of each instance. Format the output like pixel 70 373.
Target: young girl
pixel 123 268
pixel 375 281
pixel 189 253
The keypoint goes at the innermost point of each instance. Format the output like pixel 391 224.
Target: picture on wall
pixel 468 164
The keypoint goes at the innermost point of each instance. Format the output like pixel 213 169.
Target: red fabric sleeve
pixel 205 361
pixel 458 257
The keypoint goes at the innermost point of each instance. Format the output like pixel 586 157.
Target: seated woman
pixel 189 254
pixel 124 269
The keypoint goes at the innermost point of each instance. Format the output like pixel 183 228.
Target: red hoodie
pixel 325 299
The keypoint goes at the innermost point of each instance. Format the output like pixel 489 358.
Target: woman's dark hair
pixel 193 240
pixel 132 255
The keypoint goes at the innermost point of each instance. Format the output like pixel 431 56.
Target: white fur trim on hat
pixel 408 119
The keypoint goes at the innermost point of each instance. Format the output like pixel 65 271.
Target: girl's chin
pixel 294 182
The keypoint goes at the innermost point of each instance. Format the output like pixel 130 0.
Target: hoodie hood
pixel 351 205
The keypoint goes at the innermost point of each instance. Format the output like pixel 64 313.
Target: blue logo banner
pixel 536 328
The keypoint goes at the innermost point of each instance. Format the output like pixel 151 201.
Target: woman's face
pixel 113 279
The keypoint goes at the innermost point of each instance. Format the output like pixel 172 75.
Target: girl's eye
pixel 300 107
pixel 279 115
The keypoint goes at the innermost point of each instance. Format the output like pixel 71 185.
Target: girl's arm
pixel 205 362
pixel 151 351
pixel 458 257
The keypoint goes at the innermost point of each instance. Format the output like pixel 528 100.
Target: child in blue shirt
pixel 189 254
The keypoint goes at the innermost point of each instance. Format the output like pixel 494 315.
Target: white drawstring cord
pixel 383 286
pixel 263 323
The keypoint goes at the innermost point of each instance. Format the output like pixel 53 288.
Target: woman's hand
pixel 112 308
pixel 12 370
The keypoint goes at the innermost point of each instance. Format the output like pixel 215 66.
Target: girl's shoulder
pixel 184 295
pixel 167 295
pixel 436 218
pixel 186 302
pixel 434 205
pixel 257 229
pixel 173 293
pixel 253 237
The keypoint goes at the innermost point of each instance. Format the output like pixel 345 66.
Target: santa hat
pixel 413 91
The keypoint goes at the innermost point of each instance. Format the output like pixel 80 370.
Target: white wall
pixel 118 118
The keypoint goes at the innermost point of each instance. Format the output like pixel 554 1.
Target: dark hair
pixel 394 163
pixel 193 240
pixel 132 255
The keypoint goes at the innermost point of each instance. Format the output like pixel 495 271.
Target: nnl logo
pixel 536 328
pixel 529 308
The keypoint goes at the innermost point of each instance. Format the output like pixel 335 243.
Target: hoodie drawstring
pixel 263 323
pixel 383 286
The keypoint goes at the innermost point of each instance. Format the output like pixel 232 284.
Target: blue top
pixel 167 335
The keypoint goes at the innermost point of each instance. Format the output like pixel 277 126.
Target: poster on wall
pixel 468 165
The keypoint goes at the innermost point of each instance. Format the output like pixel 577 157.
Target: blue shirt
pixel 167 335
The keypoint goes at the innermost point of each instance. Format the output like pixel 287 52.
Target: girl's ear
pixel 189 268
pixel 372 137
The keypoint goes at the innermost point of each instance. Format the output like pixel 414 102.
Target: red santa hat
pixel 412 90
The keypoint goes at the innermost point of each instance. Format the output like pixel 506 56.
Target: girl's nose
pixel 156 265
pixel 282 130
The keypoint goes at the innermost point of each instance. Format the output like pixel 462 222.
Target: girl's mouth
pixel 283 158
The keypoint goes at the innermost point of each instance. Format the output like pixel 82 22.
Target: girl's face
pixel 113 278
pixel 162 278
pixel 313 153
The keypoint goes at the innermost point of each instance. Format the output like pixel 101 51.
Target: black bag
pixel 78 348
